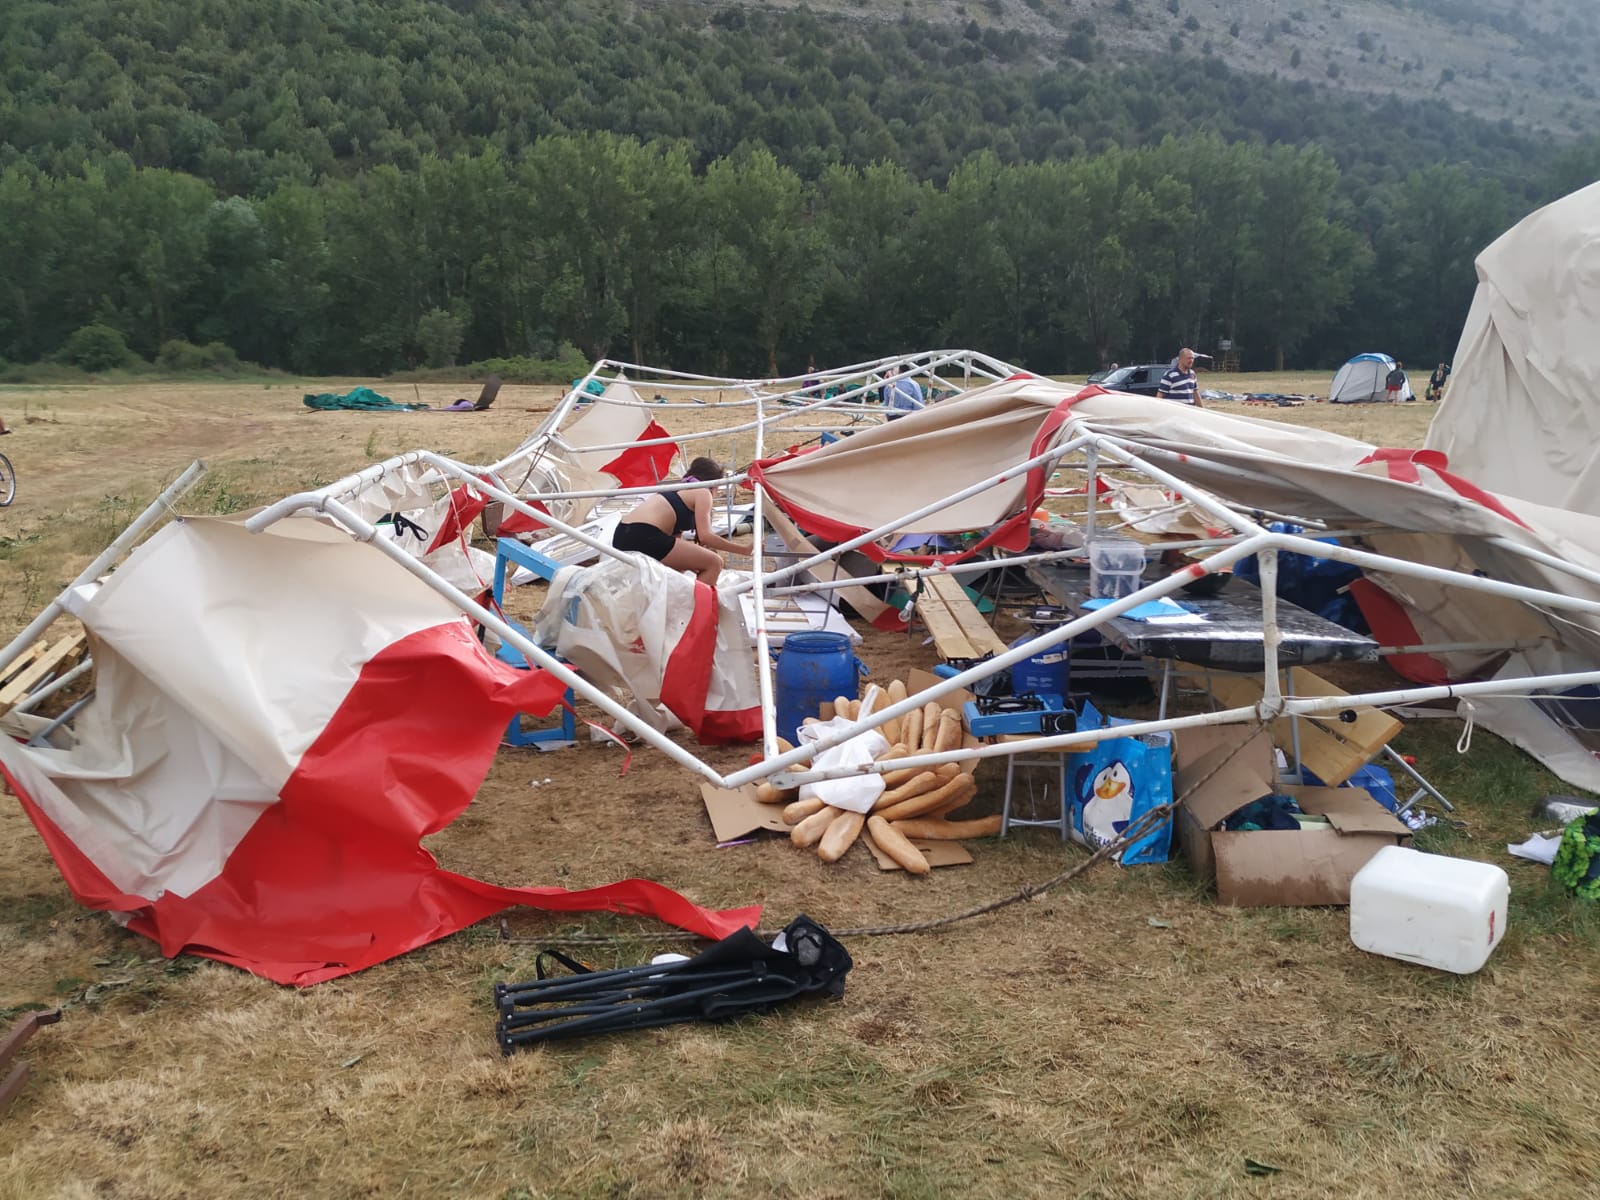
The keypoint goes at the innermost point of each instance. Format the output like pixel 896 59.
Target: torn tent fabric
pixel 667 646
pixel 584 456
pixel 278 719
pixel 1430 513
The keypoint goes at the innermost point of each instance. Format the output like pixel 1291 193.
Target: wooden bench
pixel 958 629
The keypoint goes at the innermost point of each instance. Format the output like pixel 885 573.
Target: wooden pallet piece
pixel 1372 730
pixel 43 664
pixel 22 662
pixel 1333 759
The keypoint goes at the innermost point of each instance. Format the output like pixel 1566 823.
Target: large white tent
pixel 1520 417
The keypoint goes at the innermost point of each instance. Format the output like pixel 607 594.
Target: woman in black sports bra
pixel 656 527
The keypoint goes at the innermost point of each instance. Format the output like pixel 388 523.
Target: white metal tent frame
pixel 780 403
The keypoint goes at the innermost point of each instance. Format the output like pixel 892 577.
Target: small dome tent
pixel 1360 381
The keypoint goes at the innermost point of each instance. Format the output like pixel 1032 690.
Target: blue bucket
pixel 813 668
pixel 1045 672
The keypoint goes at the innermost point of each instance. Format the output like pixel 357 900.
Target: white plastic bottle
pixel 1448 913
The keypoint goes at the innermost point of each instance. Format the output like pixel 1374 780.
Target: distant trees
pixel 624 249
pixel 362 186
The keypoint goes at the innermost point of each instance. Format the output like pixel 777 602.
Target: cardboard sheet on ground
pixel 938 854
pixel 736 813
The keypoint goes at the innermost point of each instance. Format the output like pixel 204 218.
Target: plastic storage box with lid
pixel 1448 913
pixel 1116 567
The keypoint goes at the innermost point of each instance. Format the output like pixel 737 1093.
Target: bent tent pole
pixel 900 522
pixel 364 531
pixel 1014 655
pixel 159 507
pixel 1555 562
pixel 764 680
pixel 1321 706
pixel 970 567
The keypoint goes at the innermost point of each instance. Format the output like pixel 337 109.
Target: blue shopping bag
pixel 1114 784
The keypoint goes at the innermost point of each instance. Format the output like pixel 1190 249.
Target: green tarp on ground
pixel 357 398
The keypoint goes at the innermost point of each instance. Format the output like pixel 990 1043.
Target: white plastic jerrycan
pixel 1448 913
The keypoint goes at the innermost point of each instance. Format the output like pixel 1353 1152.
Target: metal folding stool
pixel 1029 765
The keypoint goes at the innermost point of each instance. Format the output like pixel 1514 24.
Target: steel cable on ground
pixel 1133 833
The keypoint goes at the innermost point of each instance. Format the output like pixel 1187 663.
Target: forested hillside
pixel 344 185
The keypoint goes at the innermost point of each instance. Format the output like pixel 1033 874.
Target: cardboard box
pixel 1257 868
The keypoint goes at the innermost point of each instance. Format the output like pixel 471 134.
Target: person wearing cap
pixel 1179 383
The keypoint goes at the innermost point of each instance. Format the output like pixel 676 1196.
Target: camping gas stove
pixel 1033 712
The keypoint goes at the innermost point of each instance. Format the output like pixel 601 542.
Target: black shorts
pixel 644 538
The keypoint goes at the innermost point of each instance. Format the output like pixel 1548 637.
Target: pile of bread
pixel 916 801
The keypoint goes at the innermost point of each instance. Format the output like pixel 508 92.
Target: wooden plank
pixel 868 606
pixel 23 682
pixel 23 661
pixel 1372 729
pixel 974 627
pixel 1333 760
pixel 948 637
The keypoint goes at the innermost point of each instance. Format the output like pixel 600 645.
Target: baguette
pixel 768 794
pixel 895 750
pixel 809 832
pixel 800 810
pixel 911 730
pixel 922 781
pixel 895 844
pixel 894 779
pixel 893 730
pixel 841 706
pixel 931 713
pixel 924 802
pixel 948 736
pixel 896 691
pixel 841 836
pixel 948 831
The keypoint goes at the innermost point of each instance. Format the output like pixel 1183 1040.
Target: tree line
pixel 628 249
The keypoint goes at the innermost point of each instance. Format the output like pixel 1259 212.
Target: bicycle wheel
pixel 8 481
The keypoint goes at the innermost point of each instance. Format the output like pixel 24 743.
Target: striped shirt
pixel 1178 385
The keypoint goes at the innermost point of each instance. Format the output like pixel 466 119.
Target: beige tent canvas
pixel 1519 417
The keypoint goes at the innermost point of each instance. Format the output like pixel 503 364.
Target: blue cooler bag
pixel 1114 784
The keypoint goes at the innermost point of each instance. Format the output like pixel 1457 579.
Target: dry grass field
pixel 1121 1036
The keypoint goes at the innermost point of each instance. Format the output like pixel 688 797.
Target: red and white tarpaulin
pixel 664 644
pixel 278 719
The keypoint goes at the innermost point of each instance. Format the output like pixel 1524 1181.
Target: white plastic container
pixel 1448 913
pixel 1116 567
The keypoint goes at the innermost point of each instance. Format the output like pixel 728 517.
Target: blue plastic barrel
pixel 813 668
pixel 1045 671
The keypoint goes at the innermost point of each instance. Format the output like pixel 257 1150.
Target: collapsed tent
pixel 1520 415
pixel 278 718
pixel 1363 380
pixel 613 443
pixel 1418 511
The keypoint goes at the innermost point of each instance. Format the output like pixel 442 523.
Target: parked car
pixel 1142 379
